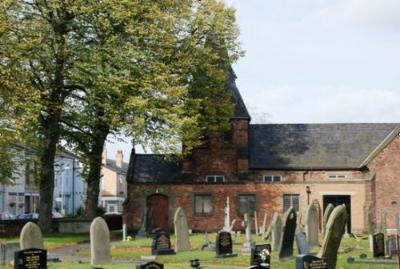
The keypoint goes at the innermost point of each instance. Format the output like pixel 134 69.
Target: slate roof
pixel 240 107
pixel 111 164
pixel 156 168
pixel 315 146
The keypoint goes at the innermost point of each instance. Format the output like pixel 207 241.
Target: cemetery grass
pixel 53 241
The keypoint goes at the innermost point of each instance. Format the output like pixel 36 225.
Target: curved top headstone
pixel 288 232
pixel 181 230
pixel 31 237
pixel 311 225
pixel 334 232
pixel 276 231
pixel 99 242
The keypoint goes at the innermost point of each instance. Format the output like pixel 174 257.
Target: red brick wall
pixel 387 186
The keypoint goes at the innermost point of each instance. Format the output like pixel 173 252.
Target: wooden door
pixel 157 214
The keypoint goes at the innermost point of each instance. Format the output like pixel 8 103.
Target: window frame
pixel 291 195
pixel 211 201
pixel 249 211
pixel 215 176
pixel 273 178
pixel 336 176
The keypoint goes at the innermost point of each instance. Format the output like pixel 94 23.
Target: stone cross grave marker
pixel 335 229
pixel 378 245
pixel 224 245
pixel 99 242
pixel 276 231
pixel 328 211
pixel 161 244
pixel 181 231
pixel 311 226
pixel 264 225
pixel 227 216
pixel 302 244
pixel 31 237
pixel 288 231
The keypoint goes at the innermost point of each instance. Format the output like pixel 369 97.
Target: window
pixel 337 176
pixel 215 179
pixel 202 204
pixel 272 178
pixel 247 203
pixel 291 200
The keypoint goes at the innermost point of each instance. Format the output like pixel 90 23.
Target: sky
pixel 317 61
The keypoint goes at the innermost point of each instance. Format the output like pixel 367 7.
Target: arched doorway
pixel 157 212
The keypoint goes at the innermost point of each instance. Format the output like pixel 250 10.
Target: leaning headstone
pixel 181 231
pixel 31 237
pixel 99 242
pixel 335 229
pixel 161 244
pixel 261 255
pixel 264 225
pixel 302 244
pixel 224 245
pixel 379 245
pixel 267 234
pixel 311 226
pixel 328 211
pixel 150 265
pixel 288 231
pixel 310 262
pixel 248 243
pixel 371 230
pixel 227 216
pixel 255 222
pixel 276 231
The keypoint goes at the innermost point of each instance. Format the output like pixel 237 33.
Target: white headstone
pixel 227 216
pixel 181 231
pixel 99 242
pixel 31 237
pixel 311 225
pixel 276 231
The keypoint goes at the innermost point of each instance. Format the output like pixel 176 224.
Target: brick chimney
pixel 104 156
pixel 119 158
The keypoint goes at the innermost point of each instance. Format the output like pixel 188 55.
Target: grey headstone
pixel 99 242
pixel 255 222
pixel 276 231
pixel 31 237
pixel 371 230
pixel 311 227
pixel 142 231
pixel 288 231
pixel 328 211
pixel 383 223
pixel 264 225
pixel 302 244
pixel 181 231
pixel 248 243
pixel 335 229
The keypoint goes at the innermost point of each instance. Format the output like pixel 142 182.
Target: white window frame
pixel 273 177
pixel 336 176
pixel 215 178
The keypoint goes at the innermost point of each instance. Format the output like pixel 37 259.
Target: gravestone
pixel 31 237
pixel 371 230
pixel 288 231
pixel 248 243
pixel 150 265
pixel 383 223
pixel 208 245
pixel 161 244
pixel 7 251
pixel 335 229
pixel 261 255
pixel 255 222
pixel 32 258
pixel 267 234
pixel 264 225
pixel 181 231
pixel 224 244
pixel 276 231
pixel 310 262
pixel 302 244
pixel 328 211
pixel 142 231
pixel 379 245
pixel 99 242
pixel 311 226
pixel 227 216
pixel 392 245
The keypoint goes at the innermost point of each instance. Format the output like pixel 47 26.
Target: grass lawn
pixel 52 241
pixel 125 254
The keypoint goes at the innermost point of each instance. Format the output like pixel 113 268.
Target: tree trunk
pixel 95 156
pixel 46 156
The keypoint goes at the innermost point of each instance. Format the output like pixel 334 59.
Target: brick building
pixel 268 168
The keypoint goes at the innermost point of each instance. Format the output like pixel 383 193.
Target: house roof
pixel 240 107
pixel 111 164
pixel 315 146
pixel 156 168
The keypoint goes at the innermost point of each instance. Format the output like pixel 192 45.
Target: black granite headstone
pixel 261 255
pixel 150 265
pixel 302 243
pixel 378 245
pixel 30 259
pixel 223 244
pixel 161 244
pixel 289 229
pixel 310 262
